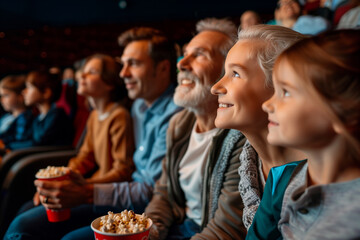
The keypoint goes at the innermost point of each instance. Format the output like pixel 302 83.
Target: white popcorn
pixel 123 223
pixel 51 172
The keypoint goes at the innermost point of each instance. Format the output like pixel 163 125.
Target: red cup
pixel 144 235
pixel 56 215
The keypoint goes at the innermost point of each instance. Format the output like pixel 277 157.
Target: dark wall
pixel 43 33
pixel 28 13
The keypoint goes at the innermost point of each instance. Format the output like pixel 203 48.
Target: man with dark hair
pixel 160 47
pixel 149 72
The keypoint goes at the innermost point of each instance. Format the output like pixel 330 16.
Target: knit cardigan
pixel 251 184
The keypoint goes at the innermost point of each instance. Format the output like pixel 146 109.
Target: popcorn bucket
pixel 56 215
pixel 144 235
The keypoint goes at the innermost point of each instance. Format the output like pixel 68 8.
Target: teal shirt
pixel 265 223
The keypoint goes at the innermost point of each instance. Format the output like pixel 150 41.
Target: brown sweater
pixel 108 145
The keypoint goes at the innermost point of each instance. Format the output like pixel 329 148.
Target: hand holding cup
pixel 53 174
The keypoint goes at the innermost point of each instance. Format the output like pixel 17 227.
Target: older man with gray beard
pixel 197 194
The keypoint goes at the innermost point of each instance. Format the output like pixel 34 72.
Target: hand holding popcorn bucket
pixel 54 174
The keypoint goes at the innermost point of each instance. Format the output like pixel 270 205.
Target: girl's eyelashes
pixel 285 93
pixel 235 74
pixel 281 92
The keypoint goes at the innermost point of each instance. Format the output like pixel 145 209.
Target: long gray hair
pixel 275 40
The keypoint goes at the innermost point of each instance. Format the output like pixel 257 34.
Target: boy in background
pixel 16 125
pixel 51 127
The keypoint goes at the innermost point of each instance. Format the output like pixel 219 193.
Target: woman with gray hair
pixel 247 83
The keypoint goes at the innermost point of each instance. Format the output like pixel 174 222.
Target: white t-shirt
pixel 191 171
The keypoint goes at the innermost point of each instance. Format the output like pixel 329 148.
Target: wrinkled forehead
pixel 211 41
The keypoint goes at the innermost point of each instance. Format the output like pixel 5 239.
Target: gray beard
pixel 195 100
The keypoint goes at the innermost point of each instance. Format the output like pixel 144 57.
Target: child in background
pixel 316 109
pixel 52 126
pixel 16 124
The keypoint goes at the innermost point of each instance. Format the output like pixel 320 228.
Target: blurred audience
pixel 276 19
pixel 16 125
pixel 249 18
pixel 351 19
pixel 331 4
pixel 67 100
pixel 106 152
pixel 342 9
pixel 149 71
pixel 290 15
pixel 317 8
pixel 52 126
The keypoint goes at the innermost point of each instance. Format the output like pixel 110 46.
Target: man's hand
pixel 65 194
